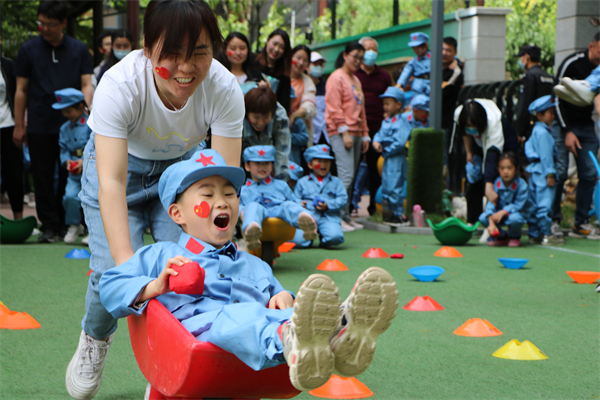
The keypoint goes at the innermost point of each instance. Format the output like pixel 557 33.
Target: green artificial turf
pixel 417 358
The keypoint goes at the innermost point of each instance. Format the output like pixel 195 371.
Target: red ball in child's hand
pixel 190 279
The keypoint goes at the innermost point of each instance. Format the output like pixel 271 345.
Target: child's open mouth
pixel 222 221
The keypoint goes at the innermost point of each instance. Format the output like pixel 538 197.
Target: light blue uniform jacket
pixel 417 66
pixel 231 312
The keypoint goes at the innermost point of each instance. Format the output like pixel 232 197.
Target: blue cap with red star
pixel 259 153
pixel 318 151
pixel 418 38
pixel 296 171
pixel 181 175
pixel 67 97
pixel 541 104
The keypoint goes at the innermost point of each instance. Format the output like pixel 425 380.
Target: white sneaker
pixel 73 233
pixel 580 88
pixel 305 336
pixel 252 235
pixel 346 227
pixel 484 236
pixel 86 240
pixel 366 314
pixel 36 232
pixel 31 200
pixel 308 225
pixel 84 373
pixel 556 230
pixel 567 95
pixel 356 225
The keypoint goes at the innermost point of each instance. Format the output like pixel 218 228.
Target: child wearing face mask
pixel 122 44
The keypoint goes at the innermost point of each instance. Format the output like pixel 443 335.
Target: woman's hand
pixel 348 142
pixel 281 301
pixel 470 158
pixel 490 194
pixel 365 146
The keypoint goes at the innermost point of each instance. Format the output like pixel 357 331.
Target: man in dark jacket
pixel 535 83
pixel 576 134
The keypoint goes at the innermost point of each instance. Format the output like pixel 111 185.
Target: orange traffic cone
pixel 332 265
pixel 424 303
pixel 16 320
pixel 342 388
pixel 285 247
pixel 477 328
pixel 375 252
pixel 446 251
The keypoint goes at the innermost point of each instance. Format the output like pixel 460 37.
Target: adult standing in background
pixel 375 81
pixel 104 47
pixel 275 60
pixel 452 81
pixel 346 121
pixel 46 63
pixel 12 156
pixel 535 83
pixel 317 66
pixel 576 134
pixel 122 44
pixel 151 110
pixel 304 105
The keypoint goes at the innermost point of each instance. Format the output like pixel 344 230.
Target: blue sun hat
pixel 418 38
pixel 181 175
pixel 318 151
pixel 259 153
pixel 67 97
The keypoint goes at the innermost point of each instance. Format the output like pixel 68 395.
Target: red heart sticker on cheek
pixel 317 166
pixel 230 53
pixel 294 62
pixel 39 28
pixel 202 210
pixel 163 72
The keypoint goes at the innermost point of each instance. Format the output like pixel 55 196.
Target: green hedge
pixel 425 171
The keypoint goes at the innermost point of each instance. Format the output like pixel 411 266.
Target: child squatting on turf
pixel 324 196
pixel 263 197
pixel 74 135
pixel 242 308
pixel 512 206
pixel 540 152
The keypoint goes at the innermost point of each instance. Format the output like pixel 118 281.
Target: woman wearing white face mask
pixel 122 44
pixel 374 81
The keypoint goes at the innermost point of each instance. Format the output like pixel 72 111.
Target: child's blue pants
pixel 393 178
pixel 71 202
pixel 329 228
pixel 541 196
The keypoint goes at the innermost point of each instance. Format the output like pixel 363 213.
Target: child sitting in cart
pixel 241 307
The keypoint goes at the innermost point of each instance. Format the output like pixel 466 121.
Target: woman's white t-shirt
pixel 127 106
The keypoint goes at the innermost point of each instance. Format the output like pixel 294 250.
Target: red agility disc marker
pixel 202 210
pixel 162 72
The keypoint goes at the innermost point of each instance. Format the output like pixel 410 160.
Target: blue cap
pixel 67 97
pixel 541 104
pixel 318 151
pixel 181 175
pixel 296 171
pixel 420 102
pixel 394 93
pixel 418 38
pixel 259 153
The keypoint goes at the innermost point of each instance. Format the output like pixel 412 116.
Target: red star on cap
pixel 325 149
pixel 261 153
pixel 205 160
pixel 415 37
pixel 58 98
pixel 292 167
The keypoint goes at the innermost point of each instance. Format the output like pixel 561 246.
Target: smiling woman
pixel 151 110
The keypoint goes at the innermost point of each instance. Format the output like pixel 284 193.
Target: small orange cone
pixel 16 320
pixel 285 247
pixel 424 303
pixel 477 328
pixel 342 388
pixel 375 252
pixel 449 252
pixel 332 265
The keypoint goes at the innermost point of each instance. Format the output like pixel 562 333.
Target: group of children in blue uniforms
pixel 243 308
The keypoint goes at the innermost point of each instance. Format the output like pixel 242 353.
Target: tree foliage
pixel 18 25
pixel 530 22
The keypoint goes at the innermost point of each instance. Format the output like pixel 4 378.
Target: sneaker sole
pixel 579 91
pixel 316 315
pixel 308 226
pixel 372 307
pixel 253 235
pixel 567 95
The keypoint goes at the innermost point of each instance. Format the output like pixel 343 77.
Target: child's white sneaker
pixel 580 88
pixel 346 227
pixel 366 314
pixel 73 233
pixel 253 234
pixel 308 225
pixel 305 336
pixel 84 373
